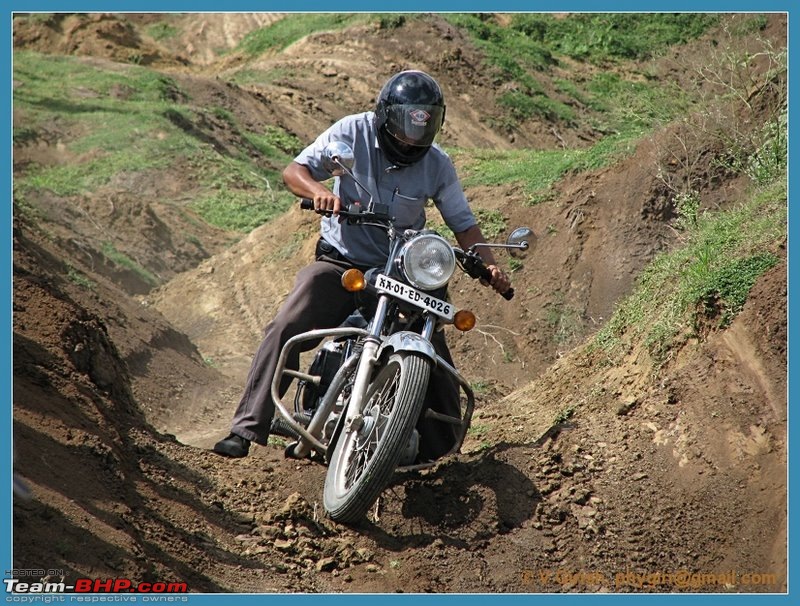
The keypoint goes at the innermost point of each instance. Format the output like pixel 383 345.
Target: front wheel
pixel 367 453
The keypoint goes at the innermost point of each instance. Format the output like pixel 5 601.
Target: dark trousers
pixel 318 301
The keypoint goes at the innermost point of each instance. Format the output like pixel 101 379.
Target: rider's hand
pixel 500 281
pixel 327 202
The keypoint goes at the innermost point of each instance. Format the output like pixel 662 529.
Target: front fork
pixel 373 348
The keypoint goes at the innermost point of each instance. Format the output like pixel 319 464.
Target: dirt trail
pixel 128 385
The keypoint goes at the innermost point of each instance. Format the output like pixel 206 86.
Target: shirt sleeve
pixel 311 156
pixel 451 201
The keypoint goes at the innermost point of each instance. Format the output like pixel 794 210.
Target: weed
pixel 514 265
pixel 277 441
pixel 477 430
pixel 770 158
pixel 687 205
pixel 492 222
pixel 523 105
pixel 77 277
pixel 25 134
pixel 224 114
pixel 391 21
pixel 603 37
pixel 123 260
pixel 480 387
pixel 24 210
pixel 540 197
pixel 740 83
pixel 566 321
pixel 565 414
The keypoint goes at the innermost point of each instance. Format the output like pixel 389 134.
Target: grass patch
pixel 281 34
pixel 123 260
pixel 236 195
pixel 603 37
pixel 242 210
pixel 524 105
pixel 276 143
pixel 125 120
pixel 528 44
pixel 723 291
pixel 492 222
pixel 706 279
pixel 121 113
pixel 162 31
pixel 79 278
pixel 538 170
pixel 288 30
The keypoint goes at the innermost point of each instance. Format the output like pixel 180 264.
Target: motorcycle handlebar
pixel 477 270
pixel 353 211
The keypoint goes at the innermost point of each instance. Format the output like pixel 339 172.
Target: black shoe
pixel 233 446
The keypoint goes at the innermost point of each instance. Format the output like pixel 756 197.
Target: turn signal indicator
pixel 353 280
pixel 464 320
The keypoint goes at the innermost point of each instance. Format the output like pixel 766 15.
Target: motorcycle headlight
pixel 427 261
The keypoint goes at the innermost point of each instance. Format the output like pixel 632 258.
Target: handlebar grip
pixel 486 274
pixel 306 204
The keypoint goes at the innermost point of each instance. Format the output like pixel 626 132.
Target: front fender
pixel 408 341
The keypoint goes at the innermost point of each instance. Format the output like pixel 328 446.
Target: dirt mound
pixel 587 477
pixel 559 499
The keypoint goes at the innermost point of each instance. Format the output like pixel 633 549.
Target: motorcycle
pixel 360 402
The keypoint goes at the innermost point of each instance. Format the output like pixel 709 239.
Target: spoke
pixel 364 446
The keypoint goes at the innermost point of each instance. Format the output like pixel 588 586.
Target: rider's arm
pixel 500 281
pixel 298 179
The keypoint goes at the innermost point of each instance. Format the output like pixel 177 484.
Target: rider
pixel 396 157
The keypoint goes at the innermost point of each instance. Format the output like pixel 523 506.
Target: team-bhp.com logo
pixel 85 585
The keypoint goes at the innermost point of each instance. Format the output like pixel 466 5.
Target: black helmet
pixel 409 113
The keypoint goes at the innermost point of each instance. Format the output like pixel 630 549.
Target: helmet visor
pixel 414 124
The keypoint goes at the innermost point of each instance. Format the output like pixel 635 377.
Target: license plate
pixel 402 291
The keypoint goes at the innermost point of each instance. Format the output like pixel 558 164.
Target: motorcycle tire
pixel 364 461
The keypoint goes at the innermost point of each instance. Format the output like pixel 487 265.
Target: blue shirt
pixel 404 189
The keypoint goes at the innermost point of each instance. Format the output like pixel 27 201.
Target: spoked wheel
pixel 368 451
